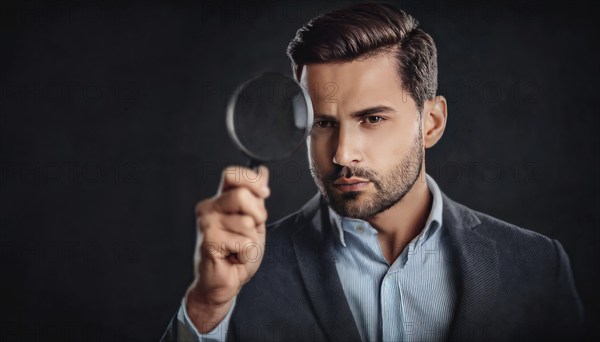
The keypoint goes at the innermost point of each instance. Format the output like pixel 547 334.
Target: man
pixel 380 253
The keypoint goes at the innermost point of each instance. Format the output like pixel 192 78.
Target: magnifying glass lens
pixel 269 117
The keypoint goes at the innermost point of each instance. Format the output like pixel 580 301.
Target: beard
pixel 391 186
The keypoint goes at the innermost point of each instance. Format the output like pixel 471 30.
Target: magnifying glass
pixel 269 117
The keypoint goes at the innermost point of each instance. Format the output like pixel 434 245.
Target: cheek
pixel 313 153
pixel 319 153
pixel 318 149
pixel 387 145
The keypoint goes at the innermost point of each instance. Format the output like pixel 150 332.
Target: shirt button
pixel 360 229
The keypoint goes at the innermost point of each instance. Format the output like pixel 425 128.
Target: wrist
pixel 205 315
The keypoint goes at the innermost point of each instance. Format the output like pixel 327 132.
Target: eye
pixel 323 124
pixel 373 119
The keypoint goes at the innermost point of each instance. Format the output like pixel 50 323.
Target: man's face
pixel 366 146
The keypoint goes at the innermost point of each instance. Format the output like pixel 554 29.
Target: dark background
pixel 112 128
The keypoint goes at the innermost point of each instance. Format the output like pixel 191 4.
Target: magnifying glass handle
pixel 254 165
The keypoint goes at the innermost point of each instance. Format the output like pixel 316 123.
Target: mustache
pixel 349 172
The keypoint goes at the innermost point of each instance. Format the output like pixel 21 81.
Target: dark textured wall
pixel 112 127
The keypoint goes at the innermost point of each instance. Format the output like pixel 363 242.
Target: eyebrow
pixel 360 113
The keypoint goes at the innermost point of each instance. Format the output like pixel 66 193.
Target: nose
pixel 348 147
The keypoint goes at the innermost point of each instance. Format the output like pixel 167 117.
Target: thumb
pixel 263 176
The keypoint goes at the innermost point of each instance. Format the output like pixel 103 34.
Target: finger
pixel 207 216
pixel 239 224
pixel 242 225
pixel 241 201
pixel 238 176
pixel 225 245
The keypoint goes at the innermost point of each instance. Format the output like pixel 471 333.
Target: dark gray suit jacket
pixel 514 284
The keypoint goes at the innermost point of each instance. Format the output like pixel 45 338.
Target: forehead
pixel 372 76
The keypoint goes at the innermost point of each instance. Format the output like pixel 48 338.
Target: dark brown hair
pixel 366 30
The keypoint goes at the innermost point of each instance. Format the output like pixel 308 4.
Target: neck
pixel 398 225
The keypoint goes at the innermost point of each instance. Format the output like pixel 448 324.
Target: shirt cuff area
pixel 186 331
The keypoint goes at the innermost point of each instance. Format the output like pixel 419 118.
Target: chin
pixel 350 196
pixel 349 204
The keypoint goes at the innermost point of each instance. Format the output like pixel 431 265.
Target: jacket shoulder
pixel 284 227
pixel 520 245
pixel 302 218
pixel 535 273
pixel 500 229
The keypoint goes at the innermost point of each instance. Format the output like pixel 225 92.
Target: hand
pixel 230 244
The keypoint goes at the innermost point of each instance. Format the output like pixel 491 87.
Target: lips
pixel 351 184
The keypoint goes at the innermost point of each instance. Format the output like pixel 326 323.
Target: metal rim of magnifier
pixel 231 110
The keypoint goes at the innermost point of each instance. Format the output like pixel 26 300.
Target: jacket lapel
pixel 316 259
pixel 477 278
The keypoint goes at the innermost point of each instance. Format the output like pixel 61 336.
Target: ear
pixel 435 114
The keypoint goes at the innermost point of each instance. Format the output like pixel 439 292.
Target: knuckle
pixel 262 213
pixel 231 174
pixel 247 222
pixel 203 207
pixel 206 222
pixel 210 248
pixel 263 173
pixel 241 194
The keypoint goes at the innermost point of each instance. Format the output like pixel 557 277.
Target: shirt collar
pixel 434 220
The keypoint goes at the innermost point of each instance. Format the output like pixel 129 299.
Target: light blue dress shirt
pixel 411 300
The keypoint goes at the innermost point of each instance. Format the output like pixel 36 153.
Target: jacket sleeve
pixel 568 313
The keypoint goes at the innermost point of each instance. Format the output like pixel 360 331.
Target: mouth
pixel 351 184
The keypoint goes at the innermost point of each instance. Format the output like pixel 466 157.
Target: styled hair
pixel 366 30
